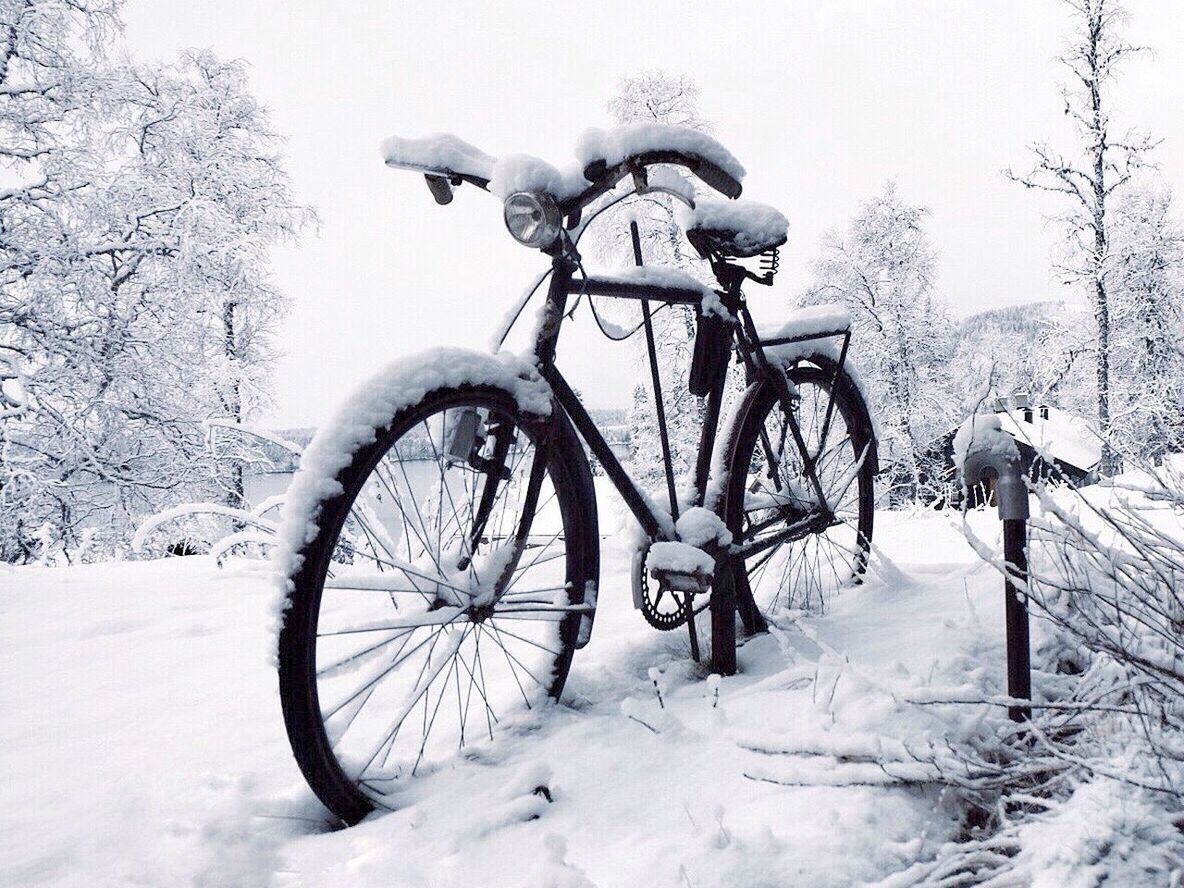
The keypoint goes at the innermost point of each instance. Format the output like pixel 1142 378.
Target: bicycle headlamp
pixel 532 218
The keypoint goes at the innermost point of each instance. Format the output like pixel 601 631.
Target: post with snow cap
pixel 985 452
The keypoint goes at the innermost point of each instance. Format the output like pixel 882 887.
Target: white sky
pixel 821 101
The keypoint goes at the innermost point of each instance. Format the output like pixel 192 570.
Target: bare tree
pixel 1104 163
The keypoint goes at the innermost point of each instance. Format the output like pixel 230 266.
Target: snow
pixel 1062 436
pixel 439 152
pixel 670 179
pixel 185 510
pixel 674 278
pixel 701 527
pixel 678 557
pixel 446 153
pixel 1067 851
pixel 809 320
pixel 402 383
pixel 983 433
pixel 814 321
pixel 522 172
pixel 615 145
pixel 756 225
pixel 143 742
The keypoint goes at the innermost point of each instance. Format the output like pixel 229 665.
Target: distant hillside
pixel 1014 319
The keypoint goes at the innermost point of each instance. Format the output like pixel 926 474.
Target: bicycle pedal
pixel 694 582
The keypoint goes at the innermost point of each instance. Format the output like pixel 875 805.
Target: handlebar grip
pixel 440 187
pixel 717 179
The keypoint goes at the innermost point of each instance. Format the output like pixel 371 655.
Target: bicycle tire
pixel 821 375
pixel 340 787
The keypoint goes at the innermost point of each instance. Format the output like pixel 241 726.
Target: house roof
pixel 1067 438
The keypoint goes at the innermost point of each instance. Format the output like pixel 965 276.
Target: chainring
pixel 664 609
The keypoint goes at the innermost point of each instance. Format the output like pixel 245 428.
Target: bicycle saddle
pixel 735 229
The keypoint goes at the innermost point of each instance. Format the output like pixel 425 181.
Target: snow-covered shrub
pixel 1092 788
pixel 215 528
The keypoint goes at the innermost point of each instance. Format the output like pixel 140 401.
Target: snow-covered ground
pixel 142 744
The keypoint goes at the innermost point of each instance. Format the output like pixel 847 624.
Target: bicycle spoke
pixel 335 667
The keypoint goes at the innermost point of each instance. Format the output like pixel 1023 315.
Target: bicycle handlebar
pixel 709 173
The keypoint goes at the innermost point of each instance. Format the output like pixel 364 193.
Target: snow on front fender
pixel 399 385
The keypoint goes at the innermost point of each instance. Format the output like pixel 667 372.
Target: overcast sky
pixel 821 101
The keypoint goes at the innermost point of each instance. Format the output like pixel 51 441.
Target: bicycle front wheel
pixel 801 552
pixel 442 590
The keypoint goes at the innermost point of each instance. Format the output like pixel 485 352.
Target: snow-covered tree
pixel 882 270
pixel 207 180
pixel 1100 165
pixel 1147 275
pixel 1040 350
pixel 135 302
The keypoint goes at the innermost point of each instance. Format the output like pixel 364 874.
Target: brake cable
pixel 600 322
pixel 506 328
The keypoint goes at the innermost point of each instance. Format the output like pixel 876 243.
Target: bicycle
pixel 450 505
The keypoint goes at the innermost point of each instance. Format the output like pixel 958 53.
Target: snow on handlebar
pixel 605 157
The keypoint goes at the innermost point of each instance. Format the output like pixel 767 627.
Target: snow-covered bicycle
pixel 441 545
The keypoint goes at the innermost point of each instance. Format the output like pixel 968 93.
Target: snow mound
pixel 522 172
pixel 439 152
pixel 756 225
pixel 702 527
pixel 371 407
pixel 680 558
pixel 983 433
pixel 614 145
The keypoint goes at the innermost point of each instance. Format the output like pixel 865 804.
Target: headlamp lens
pixel 533 219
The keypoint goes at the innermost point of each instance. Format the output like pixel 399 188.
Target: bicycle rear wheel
pixel 769 491
pixel 443 589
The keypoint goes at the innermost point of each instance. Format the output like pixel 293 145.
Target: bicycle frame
pixel 751 350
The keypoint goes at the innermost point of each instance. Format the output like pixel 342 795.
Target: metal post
pixel 1011 497
pixel 663 434
pixel 1019 666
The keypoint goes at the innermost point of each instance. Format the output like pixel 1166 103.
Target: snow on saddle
pixel 740 228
